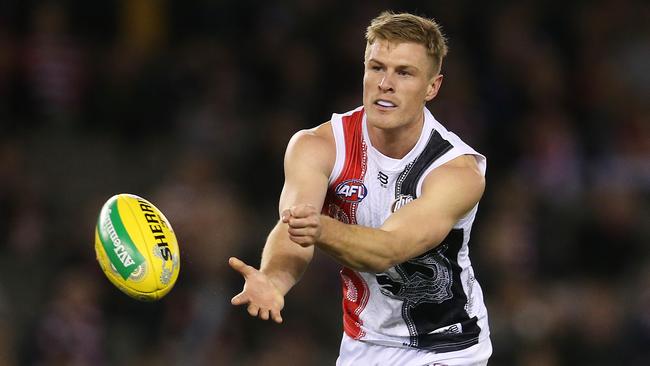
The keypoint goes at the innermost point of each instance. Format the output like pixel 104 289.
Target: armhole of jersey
pixel 450 155
pixel 339 139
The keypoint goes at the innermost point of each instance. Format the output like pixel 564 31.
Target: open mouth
pixel 385 103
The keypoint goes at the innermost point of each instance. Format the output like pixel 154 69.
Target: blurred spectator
pixel 54 64
pixel 71 330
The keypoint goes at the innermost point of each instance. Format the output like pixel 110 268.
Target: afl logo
pixel 351 190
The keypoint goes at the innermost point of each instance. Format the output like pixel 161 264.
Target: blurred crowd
pixel 191 104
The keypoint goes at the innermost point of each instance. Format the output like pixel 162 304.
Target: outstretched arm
pixel 448 193
pixel 308 162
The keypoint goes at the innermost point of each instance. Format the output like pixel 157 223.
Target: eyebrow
pixel 398 67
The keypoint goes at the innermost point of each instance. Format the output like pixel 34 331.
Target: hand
pixel 304 224
pixel 263 298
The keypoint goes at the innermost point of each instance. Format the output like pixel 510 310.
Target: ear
pixel 433 87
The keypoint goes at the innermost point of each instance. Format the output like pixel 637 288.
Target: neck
pixel 396 142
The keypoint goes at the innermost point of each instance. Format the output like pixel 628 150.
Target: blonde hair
pixel 405 27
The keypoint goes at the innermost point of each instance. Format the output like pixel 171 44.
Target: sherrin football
pixel 136 247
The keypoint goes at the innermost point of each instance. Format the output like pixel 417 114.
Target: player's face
pixel 397 82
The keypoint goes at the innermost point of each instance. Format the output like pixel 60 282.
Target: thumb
pixel 285 215
pixel 239 266
pixel 302 211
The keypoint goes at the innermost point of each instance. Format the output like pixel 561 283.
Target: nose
pixel 386 84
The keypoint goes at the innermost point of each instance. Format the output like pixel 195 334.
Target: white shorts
pixel 354 352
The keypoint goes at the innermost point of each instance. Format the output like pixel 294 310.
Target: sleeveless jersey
pixel 432 302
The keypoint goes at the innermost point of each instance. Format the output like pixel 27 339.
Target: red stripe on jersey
pixel 355 298
pixel 355 289
pixel 354 168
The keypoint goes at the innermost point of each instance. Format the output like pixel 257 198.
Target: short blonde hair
pixel 405 27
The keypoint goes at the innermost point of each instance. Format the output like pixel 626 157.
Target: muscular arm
pixel 308 161
pixel 448 193
pixel 282 261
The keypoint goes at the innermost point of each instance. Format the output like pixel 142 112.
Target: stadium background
pixel 191 105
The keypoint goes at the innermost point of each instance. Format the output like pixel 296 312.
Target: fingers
pixel 239 299
pixel 257 293
pixel 275 315
pixel 241 267
pixel 311 221
pixel 303 231
pixel 253 309
pixel 304 225
pixel 308 225
pixel 297 212
pixel 301 211
pixel 304 241
pixel 264 314
pixel 285 215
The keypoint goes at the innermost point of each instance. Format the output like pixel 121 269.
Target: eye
pixel 375 68
pixel 403 73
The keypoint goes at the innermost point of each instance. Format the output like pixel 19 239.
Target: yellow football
pixel 136 247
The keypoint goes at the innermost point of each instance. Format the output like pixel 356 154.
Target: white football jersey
pixel 432 302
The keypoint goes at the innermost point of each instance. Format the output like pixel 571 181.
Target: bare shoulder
pixel 464 162
pixel 459 179
pixel 321 134
pixel 318 139
pixel 315 146
pixel 464 167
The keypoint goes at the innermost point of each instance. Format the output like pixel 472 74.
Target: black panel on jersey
pixel 427 316
pixel 430 285
pixel 408 180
